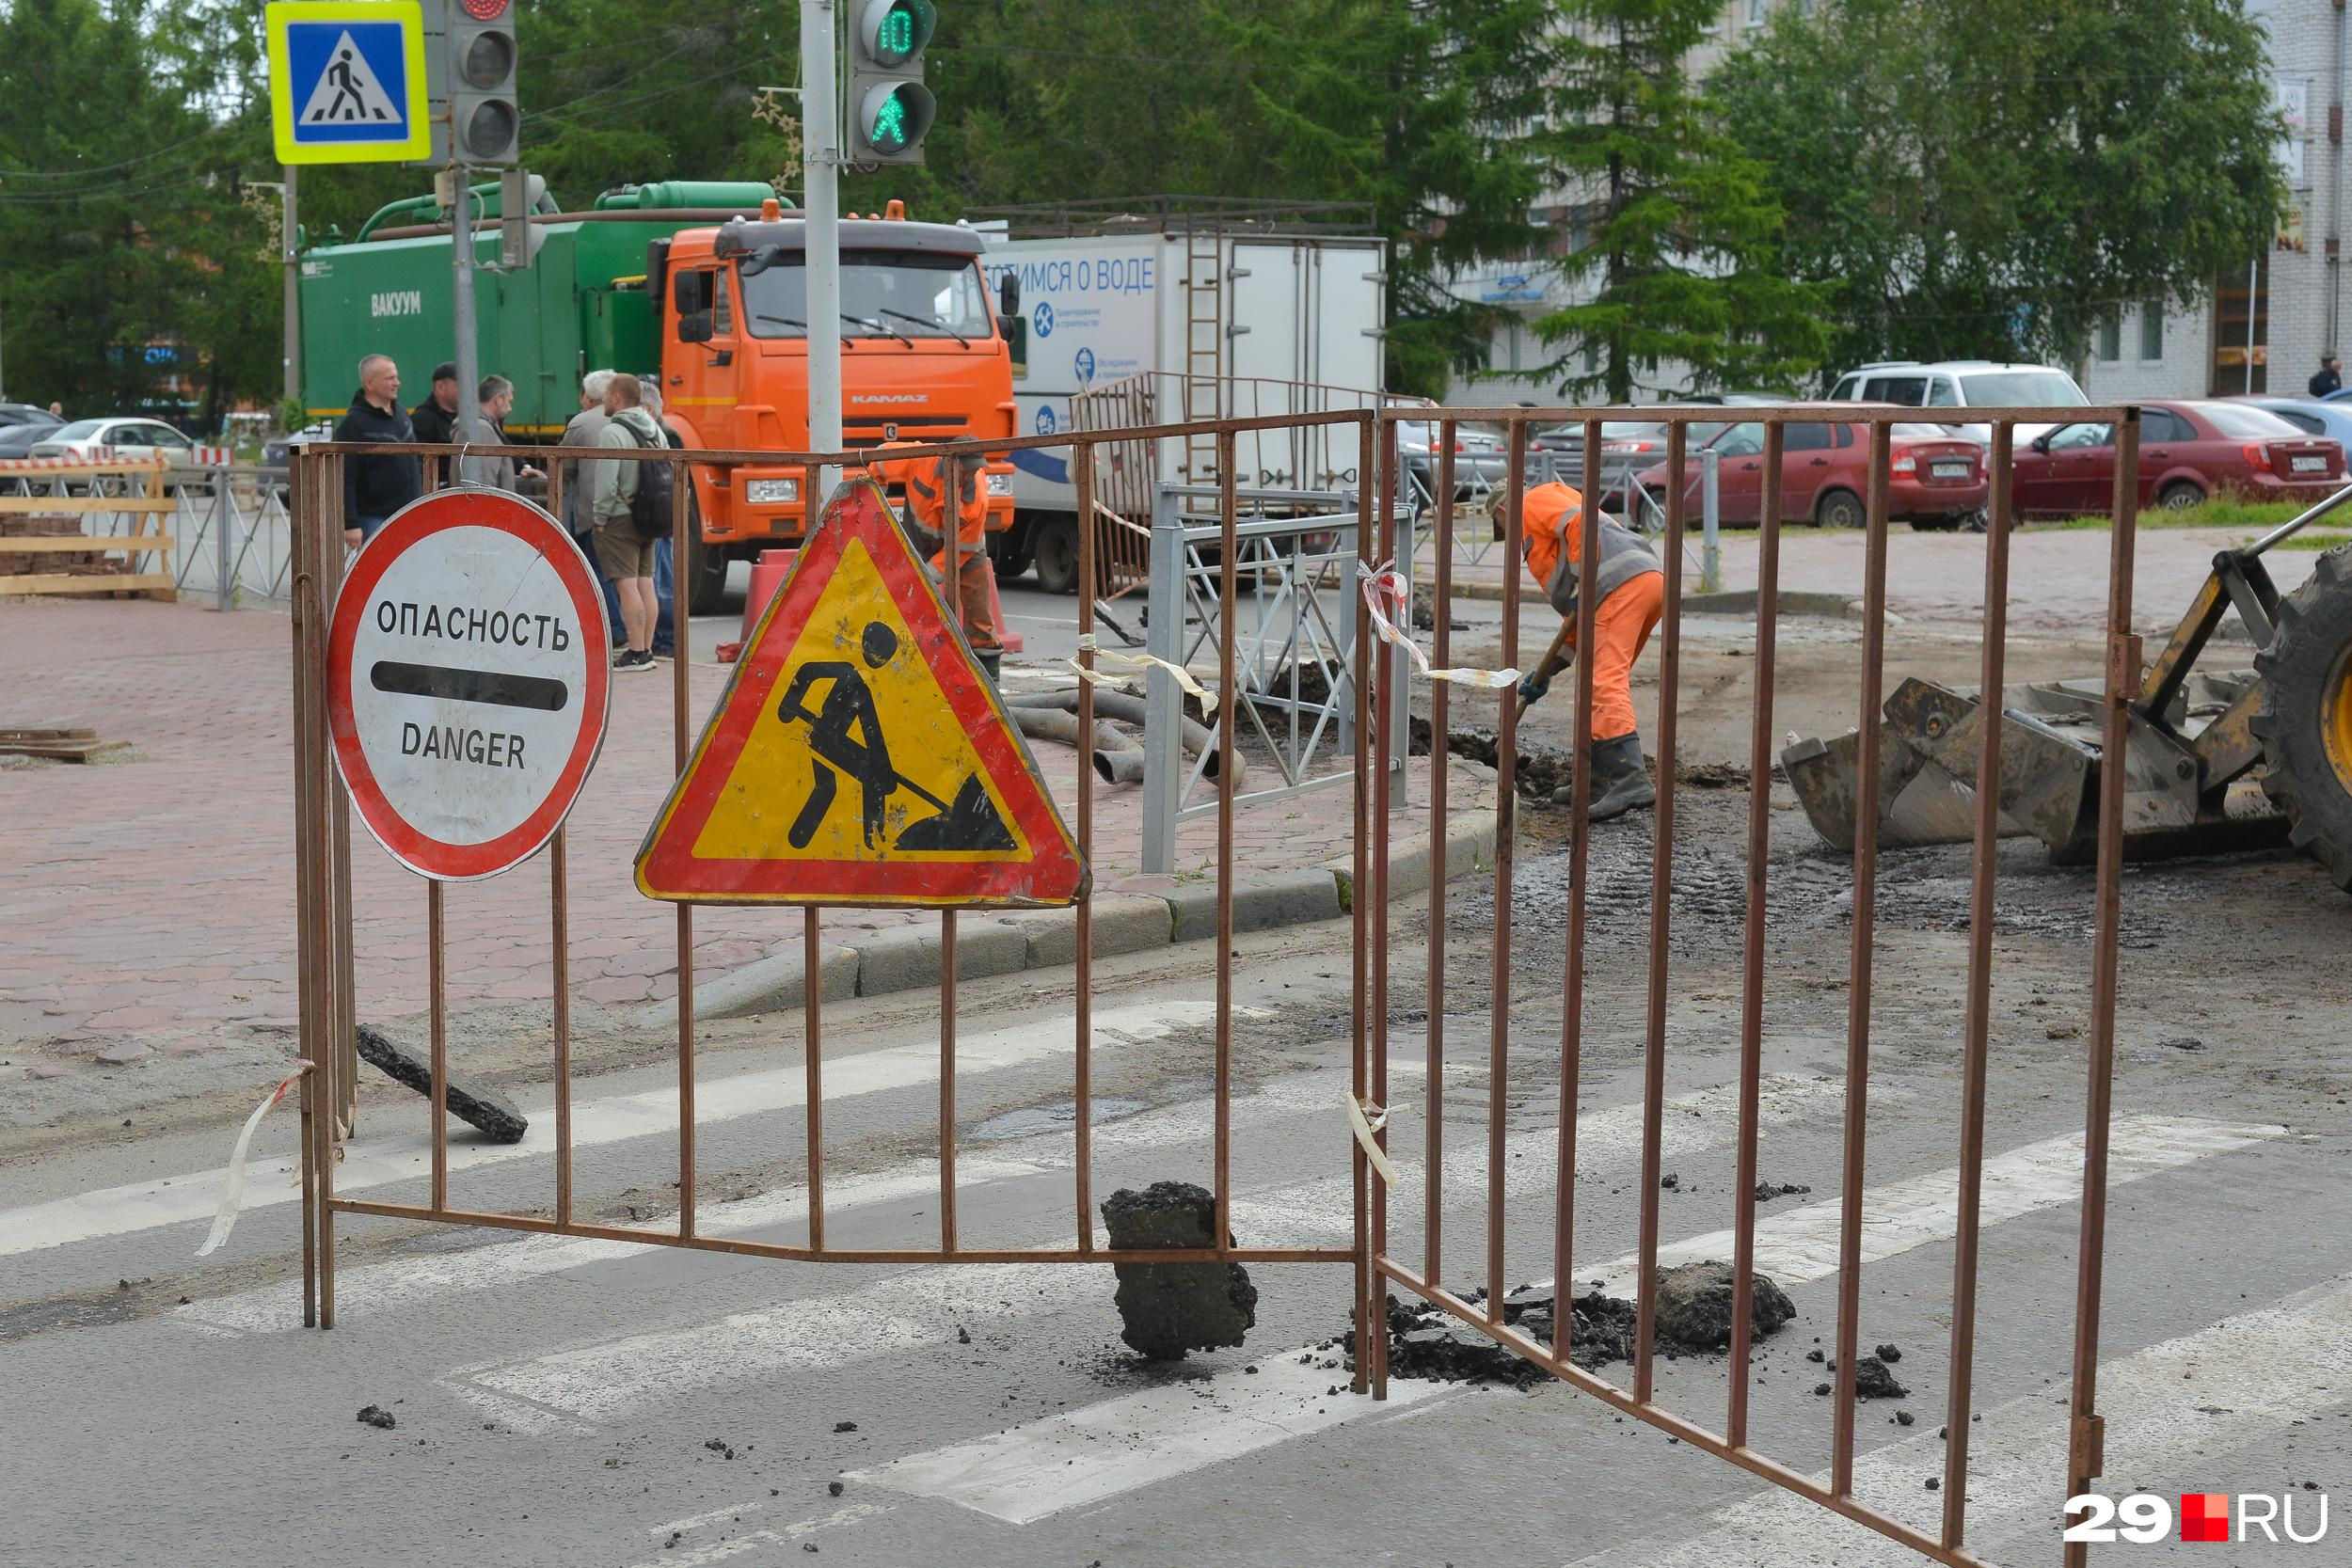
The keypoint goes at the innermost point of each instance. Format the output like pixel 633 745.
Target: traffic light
pixel 890 109
pixel 519 239
pixel 484 123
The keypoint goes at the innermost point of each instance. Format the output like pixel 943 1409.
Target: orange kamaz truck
pixel 922 359
pixel 702 284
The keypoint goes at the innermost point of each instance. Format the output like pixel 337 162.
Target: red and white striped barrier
pixel 99 457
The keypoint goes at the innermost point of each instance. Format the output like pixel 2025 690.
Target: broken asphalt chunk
pixel 474 1103
pixel 1166 1309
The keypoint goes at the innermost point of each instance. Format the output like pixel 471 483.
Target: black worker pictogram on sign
pixel 859 756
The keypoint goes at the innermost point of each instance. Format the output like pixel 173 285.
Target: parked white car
pixel 131 441
pixel 1963 384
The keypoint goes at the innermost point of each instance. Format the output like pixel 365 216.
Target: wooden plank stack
pixel 70 745
pixel 45 547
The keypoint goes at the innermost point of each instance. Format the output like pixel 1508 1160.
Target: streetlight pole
pixel 290 255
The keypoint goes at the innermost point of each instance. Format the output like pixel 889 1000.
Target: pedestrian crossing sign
pixel 347 81
pixel 859 756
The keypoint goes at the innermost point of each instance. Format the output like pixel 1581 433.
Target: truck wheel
pixel 706 574
pixel 2306 718
pixel 1057 555
pixel 1013 549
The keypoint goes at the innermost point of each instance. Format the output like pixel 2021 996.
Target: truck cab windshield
pixel 885 293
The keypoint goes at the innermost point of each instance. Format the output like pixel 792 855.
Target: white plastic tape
pixel 1364 1125
pixel 232 1188
pixel 1132 661
pixel 1384 582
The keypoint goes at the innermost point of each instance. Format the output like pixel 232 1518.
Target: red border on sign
pixel 414 523
pixel 668 868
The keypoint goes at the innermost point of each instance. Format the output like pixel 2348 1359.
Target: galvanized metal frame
pixel 324 944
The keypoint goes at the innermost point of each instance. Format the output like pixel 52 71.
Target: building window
pixel 2111 338
pixel 2151 330
pixel 1755 13
pixel 1592 356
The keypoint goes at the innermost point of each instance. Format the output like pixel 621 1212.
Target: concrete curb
pixel 1470 847
pixel 1741 601
pixel 908 959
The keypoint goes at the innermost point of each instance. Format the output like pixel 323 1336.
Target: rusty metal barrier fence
pixel 325 958
pixel 1730 1440
pixel 325 955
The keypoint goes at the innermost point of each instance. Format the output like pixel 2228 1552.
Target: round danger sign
pixel 467 676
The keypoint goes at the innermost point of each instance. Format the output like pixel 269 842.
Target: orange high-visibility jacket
pixel 1552 521
pixel 928 482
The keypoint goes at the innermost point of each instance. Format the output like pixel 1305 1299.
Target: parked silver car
pixel 131 441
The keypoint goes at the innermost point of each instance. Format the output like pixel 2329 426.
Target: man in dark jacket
pixel 436 417
pixel 2331 376
pixel 377 485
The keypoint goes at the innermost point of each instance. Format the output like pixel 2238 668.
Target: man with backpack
pixel 630 503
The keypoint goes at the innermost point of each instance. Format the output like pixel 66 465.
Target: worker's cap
pixel 972 459
pixel 445 371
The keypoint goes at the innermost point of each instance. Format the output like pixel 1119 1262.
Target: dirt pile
pixel 1693 1319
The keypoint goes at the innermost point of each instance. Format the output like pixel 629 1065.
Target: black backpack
pixel 650 508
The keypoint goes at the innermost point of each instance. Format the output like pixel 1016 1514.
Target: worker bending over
pixel 1631 587
pixel 935 488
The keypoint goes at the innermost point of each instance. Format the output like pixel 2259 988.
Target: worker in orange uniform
pixel 934 485
pixel 1633 591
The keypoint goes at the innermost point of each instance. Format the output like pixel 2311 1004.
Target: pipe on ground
pixel 1128 709
pixel 1117 758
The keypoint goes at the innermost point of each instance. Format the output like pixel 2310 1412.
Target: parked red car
pixel 1938 478
pixel 2189 449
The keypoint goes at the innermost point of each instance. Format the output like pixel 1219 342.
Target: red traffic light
pixel 486 10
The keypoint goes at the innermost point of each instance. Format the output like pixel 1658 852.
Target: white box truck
pixel 1222 313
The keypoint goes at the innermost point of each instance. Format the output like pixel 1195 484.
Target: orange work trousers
pixel 973 579
pixel 1621 629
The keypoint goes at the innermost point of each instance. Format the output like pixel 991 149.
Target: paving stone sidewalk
pixel 148 903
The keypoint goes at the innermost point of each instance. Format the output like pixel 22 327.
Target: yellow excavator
pixel 2215 760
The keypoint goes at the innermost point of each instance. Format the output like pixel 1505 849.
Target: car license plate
pixel 2309 464
pixel 1950 470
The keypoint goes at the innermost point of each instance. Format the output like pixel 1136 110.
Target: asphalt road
pixel 599 1404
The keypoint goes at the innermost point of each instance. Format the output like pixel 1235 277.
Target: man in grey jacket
pixel 583 431
pixel 628 557
pixel 496 402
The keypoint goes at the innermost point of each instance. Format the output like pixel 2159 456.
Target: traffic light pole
pixel 461 294
pixel 821 166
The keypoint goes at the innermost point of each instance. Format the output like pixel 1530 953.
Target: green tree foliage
pixel 1990 178
pixel 622 92
pixel 1684 228
pixel 126 251
pixel 1431 113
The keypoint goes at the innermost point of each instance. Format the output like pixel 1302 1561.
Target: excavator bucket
pixel 2174 803
pixel 1927 764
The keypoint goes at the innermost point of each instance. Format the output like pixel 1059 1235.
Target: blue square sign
pixel 347 81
